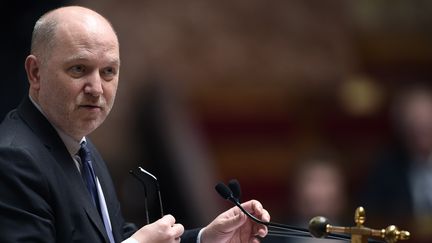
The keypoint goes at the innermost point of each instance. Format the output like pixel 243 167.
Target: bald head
pixel 46 28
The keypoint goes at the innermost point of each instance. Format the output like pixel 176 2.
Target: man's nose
pixel 93 85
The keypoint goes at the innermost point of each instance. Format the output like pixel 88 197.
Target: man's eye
pixel 109 72
pixel 77 71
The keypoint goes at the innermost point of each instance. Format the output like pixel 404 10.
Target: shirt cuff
pixel 130 240
pixel 199 236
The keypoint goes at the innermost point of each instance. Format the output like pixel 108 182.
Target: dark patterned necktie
pixel 88 174
pixel 89 178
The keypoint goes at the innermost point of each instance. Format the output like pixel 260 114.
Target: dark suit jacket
pixel 387 195
pixel 42 194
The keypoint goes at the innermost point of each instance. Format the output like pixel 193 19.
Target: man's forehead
pixel 81 43
pixel 83 31
pixel 88 56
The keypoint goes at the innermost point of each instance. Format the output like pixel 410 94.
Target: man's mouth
pixel 91 107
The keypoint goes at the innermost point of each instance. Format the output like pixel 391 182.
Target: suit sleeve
pixel 190 236
pixel 25 212
pixel 128 229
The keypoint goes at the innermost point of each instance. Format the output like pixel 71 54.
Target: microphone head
pixel 223 191
pixel 318 227
pixel 234 185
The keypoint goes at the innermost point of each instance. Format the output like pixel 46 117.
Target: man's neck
pixel 71 144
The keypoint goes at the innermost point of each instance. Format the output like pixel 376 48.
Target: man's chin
pixel 88 127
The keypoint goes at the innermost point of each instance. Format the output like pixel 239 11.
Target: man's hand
pixel 164 230
pixel 234 226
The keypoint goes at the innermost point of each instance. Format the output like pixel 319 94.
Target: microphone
pixel 234 185
pixel 283 230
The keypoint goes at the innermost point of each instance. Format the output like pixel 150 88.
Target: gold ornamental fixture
pixel 319 227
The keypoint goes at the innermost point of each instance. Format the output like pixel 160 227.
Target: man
pixel 399 186
pixel 54 185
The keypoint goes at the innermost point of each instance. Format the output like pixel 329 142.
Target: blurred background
pixel 316 107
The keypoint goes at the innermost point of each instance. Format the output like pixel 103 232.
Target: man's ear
pixel 32 70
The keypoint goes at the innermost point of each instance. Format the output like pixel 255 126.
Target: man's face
pixel 417 121
pixel 78 81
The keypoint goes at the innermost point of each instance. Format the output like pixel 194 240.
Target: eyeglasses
pixel 151 190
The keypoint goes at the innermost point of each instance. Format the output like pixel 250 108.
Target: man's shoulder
pixel 10 127
pixel 17 140
pixel 14 130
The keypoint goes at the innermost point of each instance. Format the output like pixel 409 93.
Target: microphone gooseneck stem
pixel 276 229
pixel 285 230
pixel 278 233
pixel 272 224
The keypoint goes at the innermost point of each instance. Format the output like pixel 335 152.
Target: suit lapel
pixel 52 141
pixel 76 181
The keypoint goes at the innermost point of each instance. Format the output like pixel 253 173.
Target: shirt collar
pixel 71 144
